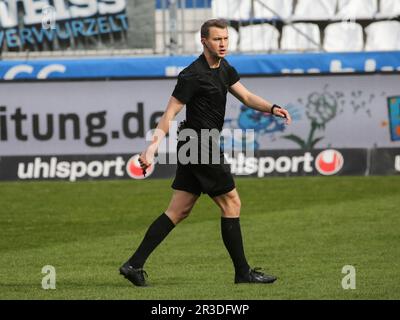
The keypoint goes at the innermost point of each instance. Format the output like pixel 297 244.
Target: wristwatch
pixel 273 107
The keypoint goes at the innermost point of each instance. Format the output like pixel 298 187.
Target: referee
pixel 203 87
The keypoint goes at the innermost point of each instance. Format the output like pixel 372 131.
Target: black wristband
pixel 273 107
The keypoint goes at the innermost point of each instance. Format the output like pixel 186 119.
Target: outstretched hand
pixel 283 113
pixel 145 161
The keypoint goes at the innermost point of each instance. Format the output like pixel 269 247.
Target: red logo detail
pixel 135 171
pixel 329 162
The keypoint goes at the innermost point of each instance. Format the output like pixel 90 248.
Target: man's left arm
pixel 255 102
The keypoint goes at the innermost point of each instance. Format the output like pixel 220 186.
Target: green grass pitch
pixel 304 230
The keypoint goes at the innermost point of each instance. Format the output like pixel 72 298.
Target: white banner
pixel 327 111
pixel 102 117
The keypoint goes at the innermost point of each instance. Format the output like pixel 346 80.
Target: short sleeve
pixel 185 88
pixel 233 76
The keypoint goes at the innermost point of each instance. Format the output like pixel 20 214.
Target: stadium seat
pixel 261 37
pixel 280 9
pixel 389 9
pixel 383 36
pixel 231 9
pixel 343 37
pixel 315 9
pixel 301 37
pixel 357 9
pixel 233 40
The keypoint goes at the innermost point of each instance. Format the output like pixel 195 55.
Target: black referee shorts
pixel 212 179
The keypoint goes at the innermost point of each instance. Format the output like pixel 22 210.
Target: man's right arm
pixel 173 108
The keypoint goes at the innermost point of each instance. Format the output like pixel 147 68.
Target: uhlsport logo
pixel 62 168
pixel 135 171
pixel 329 162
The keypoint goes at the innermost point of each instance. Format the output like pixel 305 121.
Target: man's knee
pixel 232 207
pixel 177 215
pixel 180 206
pixel 184 213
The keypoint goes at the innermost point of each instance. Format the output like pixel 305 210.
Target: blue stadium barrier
pixel 150 67
pixel 189 4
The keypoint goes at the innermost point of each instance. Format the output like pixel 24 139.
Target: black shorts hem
pixel 186 190
pixel 214 194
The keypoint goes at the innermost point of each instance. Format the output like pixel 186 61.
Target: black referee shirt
pixel 204 90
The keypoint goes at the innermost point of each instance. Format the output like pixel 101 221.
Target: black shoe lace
pixel 257 270
pixel 143 274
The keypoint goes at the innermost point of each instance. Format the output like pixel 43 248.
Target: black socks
pixel 232 237
pixel 162 226
pixel 156 233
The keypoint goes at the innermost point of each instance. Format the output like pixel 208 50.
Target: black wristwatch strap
pixel 273 107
